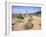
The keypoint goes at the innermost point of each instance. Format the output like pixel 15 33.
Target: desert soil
pixel 36 21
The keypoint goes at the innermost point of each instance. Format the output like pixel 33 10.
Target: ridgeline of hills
pixel 38 12
pixel 21 15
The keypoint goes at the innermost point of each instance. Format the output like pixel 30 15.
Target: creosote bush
pixel 28 26
pixel 19 16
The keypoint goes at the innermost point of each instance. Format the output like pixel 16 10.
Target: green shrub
pixel 19 16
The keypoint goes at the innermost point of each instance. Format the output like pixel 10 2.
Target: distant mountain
pixel 39 12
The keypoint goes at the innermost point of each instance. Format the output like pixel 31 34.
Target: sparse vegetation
pixel 28 24
pixel 19 16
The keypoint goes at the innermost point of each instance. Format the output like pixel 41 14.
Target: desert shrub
pixel 30 14
pixel 29 26
pixel 19 16
pixel 13 24
pixel 40 24
pixel 13 15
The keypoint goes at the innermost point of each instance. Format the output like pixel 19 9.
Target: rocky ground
pixel 32 22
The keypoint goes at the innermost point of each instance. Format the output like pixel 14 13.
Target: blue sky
pixel 24 9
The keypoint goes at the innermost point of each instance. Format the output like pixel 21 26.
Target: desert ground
pixel 28 22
